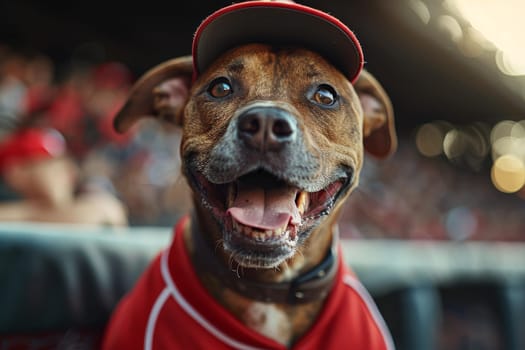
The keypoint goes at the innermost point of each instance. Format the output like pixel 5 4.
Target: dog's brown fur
pixel 333 137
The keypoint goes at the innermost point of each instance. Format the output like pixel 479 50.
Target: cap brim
pixel 277 23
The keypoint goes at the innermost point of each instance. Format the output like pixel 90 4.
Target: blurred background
pixel 455 71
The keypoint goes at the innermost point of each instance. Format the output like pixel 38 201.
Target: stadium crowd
pixel 407 197
pixel 76 101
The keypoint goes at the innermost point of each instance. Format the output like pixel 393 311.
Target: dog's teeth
pixel 292 233
pixel 302 200
pixel 285 234
pixel 231 194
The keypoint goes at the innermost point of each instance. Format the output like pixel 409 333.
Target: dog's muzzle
pixel 263 185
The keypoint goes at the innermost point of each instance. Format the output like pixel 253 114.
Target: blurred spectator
pixel 35 165
pixel 146 174
pixel 12 85
pixel 39 74
pixel 111 82
pixel 142 166
pixel 85 104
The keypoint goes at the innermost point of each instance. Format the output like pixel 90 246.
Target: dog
pixel 274 135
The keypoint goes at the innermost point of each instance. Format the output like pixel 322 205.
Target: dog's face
pixel 272 143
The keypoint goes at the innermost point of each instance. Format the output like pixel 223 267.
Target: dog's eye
pixel 220 88
pixel 325 95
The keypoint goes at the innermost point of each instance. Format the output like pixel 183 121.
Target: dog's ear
pixel 162 92
pixel 379 133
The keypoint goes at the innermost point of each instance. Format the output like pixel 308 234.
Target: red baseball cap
pixel 277 23
pixel 30 144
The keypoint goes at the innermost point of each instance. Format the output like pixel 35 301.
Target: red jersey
pixel 170 309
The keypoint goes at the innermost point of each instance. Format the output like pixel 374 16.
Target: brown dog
pixel 272 146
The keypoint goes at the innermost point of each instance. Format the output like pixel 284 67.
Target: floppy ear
pixel 379 133
pixel 161 92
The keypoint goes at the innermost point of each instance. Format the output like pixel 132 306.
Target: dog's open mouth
pixel 265 218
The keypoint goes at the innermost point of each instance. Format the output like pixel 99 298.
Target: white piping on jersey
pixel 152 319
pixel 186 306
pixel 353 283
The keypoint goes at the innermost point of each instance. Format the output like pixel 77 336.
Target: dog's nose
pixel 267 128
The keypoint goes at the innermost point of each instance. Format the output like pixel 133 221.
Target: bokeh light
pixel 518 130
pixel 501 22
pixel 501 129
pixel 508 145
pixel 454 144
pixel 508 173
pixel 429 140
pixel 421 10
pixel 460 223
pixel 508 137
pixel 450 25
pixel 474 145
pixel 474 43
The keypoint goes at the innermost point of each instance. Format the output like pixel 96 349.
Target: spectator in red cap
pixel 34 163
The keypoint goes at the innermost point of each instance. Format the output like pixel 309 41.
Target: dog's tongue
pixel 265 209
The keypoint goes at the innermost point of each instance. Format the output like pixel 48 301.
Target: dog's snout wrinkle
pixel 267 128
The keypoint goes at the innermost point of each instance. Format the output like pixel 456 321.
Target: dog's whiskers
pixel 219 244
pixel 230 262
pixel 285 266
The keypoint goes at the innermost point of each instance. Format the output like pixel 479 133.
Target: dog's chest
pixel 268 320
